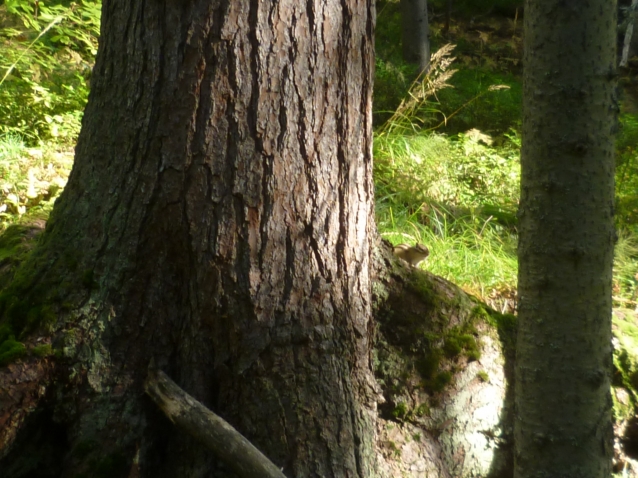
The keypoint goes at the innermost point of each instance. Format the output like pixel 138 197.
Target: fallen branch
pixel 210 429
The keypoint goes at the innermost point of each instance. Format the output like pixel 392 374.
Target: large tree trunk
pixel 218 220
pixel 563 405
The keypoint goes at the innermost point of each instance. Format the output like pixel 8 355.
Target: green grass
pixel 495 112
pixel 625 285
pixel 627 171
pixel 467 248
pixel 433 189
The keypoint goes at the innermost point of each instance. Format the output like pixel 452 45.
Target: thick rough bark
pixel 415 29
pixel 218 220
pixel 563 405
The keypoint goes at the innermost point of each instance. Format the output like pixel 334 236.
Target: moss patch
pixel 34 283
pixel 43 350
pixel 10 350
pixel 14 241
pixel 42 284
pixel 15 244
pixel 505 324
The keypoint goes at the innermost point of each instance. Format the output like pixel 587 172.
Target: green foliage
pixel 483 99
pixel 390 85
pixel 459 197
pixel 625 360
pixel 462 172
pixel 625 282
pixel 627 171
pixel 47 54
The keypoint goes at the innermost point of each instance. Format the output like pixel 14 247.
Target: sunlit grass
pixel 469 251
pixel 625 283
pixel 432 190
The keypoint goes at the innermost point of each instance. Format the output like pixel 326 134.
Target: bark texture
pixel 218 219
pixel 415 30
pixel 563 364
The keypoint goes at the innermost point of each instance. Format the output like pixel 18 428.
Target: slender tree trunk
pixel 624 59
pixel 563 404
pixel 448 17
pixel 218 219
pixel 415 30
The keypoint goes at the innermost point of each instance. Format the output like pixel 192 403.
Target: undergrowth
pixel 30 179
pixel 46 56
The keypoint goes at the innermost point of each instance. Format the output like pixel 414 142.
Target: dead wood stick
pixel 212 430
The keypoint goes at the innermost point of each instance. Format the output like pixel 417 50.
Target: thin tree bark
pixel 563 364
pixel 218 219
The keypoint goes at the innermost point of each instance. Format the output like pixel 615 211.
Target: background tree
pixel 629 31
pixel 415 30
pixel 218 220
pixel 563 405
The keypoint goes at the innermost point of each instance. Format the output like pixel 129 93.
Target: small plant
pixel 396 451
pixel 410 113
pixel 400 411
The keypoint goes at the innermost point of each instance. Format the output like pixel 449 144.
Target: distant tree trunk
pixel 218 220
pixel 415 30
pixel 563 404
pixel 448 17
pixel 626 49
